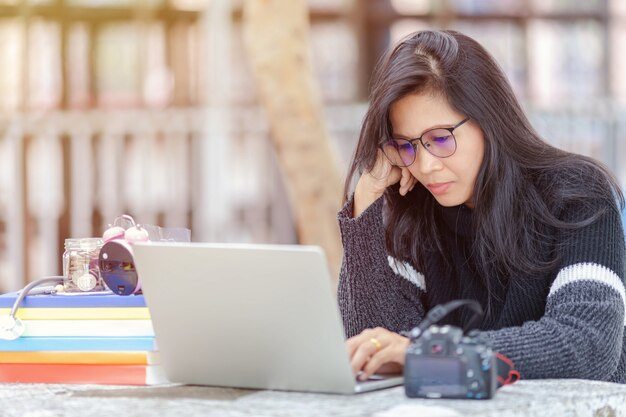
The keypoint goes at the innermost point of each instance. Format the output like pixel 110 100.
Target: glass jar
pixel 80 265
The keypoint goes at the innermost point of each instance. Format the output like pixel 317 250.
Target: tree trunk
pixel 276 34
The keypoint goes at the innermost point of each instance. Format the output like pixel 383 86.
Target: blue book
pixel 32 344
pixel 73 300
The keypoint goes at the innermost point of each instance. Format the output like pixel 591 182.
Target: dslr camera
pixel 442 362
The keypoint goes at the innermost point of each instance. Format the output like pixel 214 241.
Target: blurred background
pixel 148 107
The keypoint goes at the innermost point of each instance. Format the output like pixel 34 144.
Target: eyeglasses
pixel 439 142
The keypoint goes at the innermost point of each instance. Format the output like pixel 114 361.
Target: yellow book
pixel 83 358
pixel 81 313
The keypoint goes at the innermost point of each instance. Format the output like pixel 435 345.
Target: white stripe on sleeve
pixel 589 272
pixel 406 271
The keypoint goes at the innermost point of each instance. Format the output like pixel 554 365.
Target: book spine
pixel 31 344
pixel 86 358
pixel 79 328
pixel 96 313
pixel 74 300
pixel 80 374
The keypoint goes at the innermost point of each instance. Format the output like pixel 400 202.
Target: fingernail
pixel 363 377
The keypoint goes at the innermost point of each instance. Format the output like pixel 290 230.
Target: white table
pixel 545 398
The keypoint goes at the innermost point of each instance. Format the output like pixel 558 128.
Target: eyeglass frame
pixel 411 141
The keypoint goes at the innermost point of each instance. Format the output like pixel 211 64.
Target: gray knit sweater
pixel 566 324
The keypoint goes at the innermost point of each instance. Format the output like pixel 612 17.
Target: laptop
pixel 247 316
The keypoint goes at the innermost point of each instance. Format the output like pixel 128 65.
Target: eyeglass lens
pixel 438 142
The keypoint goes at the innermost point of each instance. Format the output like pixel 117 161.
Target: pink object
pixel 112 233
pixel 136 234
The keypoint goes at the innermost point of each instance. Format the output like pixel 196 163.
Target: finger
pixel 411 182
pixel 383 173
pixel 365 337
pixel 402 182
pixel 351 346
pixel 362 355
pixel 363 345
pixel 405 182
pixel 376 361
pixel 353 343
pixel 382 167
pixel 395 175
pixel 391 356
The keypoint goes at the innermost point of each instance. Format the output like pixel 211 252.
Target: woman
pixel 458 197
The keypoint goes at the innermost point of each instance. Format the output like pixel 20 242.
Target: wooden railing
pixel 69 174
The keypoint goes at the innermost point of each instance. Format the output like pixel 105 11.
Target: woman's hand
pixel 372 184
pixel 376 350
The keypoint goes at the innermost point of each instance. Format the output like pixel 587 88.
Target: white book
pixel 86 328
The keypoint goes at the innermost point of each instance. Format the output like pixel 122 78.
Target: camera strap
pixel 507 374
pixel 440 311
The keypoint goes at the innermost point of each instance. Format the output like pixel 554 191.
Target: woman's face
pixel 450 180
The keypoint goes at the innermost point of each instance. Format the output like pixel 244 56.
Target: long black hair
pixel 523 183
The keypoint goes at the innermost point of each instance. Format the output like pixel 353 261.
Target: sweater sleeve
pixel 375 290
pixel 581 334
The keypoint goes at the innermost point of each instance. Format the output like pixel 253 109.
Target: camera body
pixel 443 363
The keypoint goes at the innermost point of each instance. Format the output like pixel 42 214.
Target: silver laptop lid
pixel 253 316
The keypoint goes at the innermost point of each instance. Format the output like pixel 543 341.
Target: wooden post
pixel 276 35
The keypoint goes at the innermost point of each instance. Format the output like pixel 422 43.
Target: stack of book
pixel 81 338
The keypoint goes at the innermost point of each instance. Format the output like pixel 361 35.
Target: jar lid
pixel 83 243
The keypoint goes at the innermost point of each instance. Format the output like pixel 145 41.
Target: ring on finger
pixel 376 343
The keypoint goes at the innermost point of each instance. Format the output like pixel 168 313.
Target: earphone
pixel 12 327
pixel 116 262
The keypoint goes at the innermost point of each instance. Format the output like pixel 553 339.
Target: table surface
pixel 543 398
